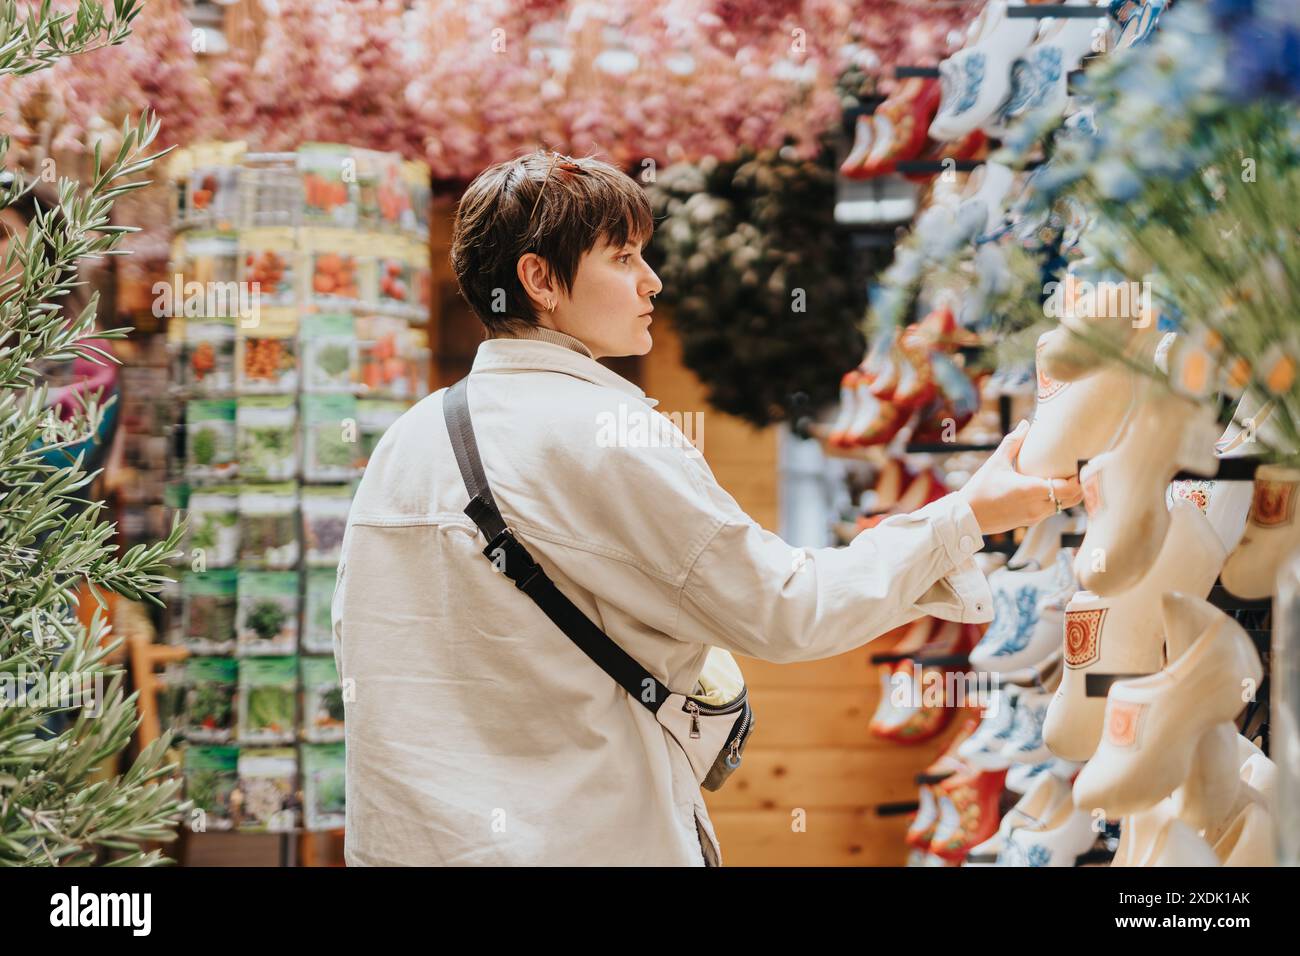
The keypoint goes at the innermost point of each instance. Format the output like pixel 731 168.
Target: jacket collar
pixel 547 356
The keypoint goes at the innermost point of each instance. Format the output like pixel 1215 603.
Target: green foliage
pixel 49 811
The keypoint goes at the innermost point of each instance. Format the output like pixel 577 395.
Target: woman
pixel 477 732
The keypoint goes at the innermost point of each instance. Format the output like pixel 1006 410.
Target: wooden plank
pixel 850 669
pixel 816 717
pixel 832 838
pixel 823 777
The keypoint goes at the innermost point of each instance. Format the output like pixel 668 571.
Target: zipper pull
pixel 694 710
pixel 733 758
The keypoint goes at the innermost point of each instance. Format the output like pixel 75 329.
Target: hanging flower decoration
pixel 464 85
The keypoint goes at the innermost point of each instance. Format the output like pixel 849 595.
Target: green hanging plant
pixel 761 280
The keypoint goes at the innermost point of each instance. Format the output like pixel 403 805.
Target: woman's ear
pixel 535 277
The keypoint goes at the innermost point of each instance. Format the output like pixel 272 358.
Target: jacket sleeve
pixel 696 567
pixel 750 592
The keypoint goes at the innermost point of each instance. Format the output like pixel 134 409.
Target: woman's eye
pixel 624 257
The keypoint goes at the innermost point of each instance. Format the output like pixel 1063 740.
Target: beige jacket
pixel 477 733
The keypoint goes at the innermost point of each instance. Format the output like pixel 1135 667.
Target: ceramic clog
pixel 1272 534
pixel 1124 633
pixel 976 80
pixel 1154 724
pixel 1124 488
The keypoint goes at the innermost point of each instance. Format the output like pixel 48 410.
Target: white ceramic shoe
pixel 1042 542
pixel 1248 840
pixel 1059 842
pixel 1225 505
pixel 848 409
pixel 1123 633
pixel 1040 75
pixel 1154 724
pixel 1272 534
pixel 977 79
pixel 1028 614
pixel 1156 837
pixel 1022 777
pixel 986 853
pixel 1039 804
pixel 1124 488
pixel 1074 420
pixel 1209 795
pixel 982 750
pixel 1260 774
pixel 1025 744
pixel 1253 430
pixel 981 206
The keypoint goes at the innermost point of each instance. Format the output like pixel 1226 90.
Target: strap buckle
pixel 515 561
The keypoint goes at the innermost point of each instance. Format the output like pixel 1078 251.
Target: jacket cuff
pixel 955 524
pixel 963 594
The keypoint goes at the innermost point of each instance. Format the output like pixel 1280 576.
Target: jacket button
pixel 967 544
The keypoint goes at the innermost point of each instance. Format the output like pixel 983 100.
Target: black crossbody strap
pixel 509 556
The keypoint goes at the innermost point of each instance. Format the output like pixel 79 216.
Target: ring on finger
pixel 1051 493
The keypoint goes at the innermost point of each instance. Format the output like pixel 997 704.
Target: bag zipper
pixel 746 724
pixel 713 710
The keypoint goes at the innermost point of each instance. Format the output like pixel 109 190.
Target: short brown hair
pixel 577 209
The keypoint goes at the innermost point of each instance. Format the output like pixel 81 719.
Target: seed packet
pixel 209 710
pixel 369 175
pixel 209 356
pixel 390 202
pixel 270 191
pixel 422 281
pixel 329 183
pixel 169 698
pixel 173 612
pixel 211 776
pixel 382 344
pixel 266 796
pixel 268 437
pixel 331 438
pixel 324 790
pixel 318 625
pixel 416 176
pixel 324 519
pixel 374 416
pixel 268 699
pixel 212 194
pixel 419 362
pixel 322 700
pixel 327 343
pixel 266 354
pixel 213 536
pixel 336 275
pixel 395 265
pixel 267 257
pixel 268 526
pixel 211 601
pixel 210 439
pixel 203 260
pixel 334 279
pixel 268 613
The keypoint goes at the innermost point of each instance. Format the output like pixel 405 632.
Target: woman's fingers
pixel 1068 491
pixel 1009 447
